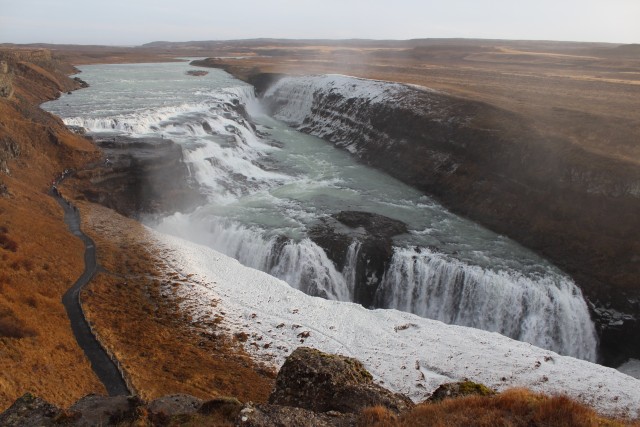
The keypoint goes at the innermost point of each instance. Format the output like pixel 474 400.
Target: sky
pixel 135 22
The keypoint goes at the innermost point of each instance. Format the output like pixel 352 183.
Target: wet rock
pixel 28 411
pixel 78 130
pixel 196 73
pixel 373 234
pixel 460 389
pixel 285 416
pixel 321 382
pixel 80 83
pixel 140 176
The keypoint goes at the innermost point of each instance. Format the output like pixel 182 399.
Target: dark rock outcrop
pixel 196 73
pixel 175 404
pixel 140 176
pixel 285 416
pixel 373 234
pixel 95 410
pixel 30 411
pixel 322 382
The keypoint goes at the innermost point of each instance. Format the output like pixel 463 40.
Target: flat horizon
pixel 132 24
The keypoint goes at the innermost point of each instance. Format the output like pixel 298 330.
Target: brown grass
pixel 588 98
pixel 135 311
pixel 39 258
pixel 513 408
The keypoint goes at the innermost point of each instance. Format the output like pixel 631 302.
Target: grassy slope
pixel 37 349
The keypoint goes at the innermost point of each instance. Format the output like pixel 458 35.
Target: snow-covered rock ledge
pixel 404 352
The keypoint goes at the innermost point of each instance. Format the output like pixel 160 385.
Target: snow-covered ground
pixel 404 352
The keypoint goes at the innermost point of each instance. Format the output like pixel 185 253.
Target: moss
pixel 469 387
pixel 460 389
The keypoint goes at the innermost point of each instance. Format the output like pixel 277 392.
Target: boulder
pixel 95 410
pixel 286 416
pixel 29 411
pixel 321 382
pixel 175 404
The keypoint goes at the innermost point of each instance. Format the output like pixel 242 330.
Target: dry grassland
pixel 589 95
pixel 512 408
pixel 135 310
pixel 39 261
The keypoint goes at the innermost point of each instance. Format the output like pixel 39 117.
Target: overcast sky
pixel 133 22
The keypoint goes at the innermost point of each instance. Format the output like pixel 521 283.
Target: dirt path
pixel 103 365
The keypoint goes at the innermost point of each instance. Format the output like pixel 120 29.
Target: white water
pixel 266 189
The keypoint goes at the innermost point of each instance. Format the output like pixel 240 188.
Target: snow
pixel 404 352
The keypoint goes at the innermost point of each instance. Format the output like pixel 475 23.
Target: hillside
pixel 40 260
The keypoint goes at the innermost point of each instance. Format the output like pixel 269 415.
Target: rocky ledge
pixel 372 234
pixel 139 176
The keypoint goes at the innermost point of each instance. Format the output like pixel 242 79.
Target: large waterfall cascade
pixel 267 185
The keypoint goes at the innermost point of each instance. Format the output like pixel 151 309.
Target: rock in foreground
pixel 322 382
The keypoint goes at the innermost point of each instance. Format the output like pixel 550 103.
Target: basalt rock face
pixel 6 80
pixel 574 207
pixel 372 236
pixel 140 176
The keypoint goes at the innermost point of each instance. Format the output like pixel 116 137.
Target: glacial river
pixel 267 184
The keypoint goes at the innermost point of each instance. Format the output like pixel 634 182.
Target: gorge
pixel 304 211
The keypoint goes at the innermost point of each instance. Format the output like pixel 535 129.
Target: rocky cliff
pixel 576 208
pixel 6 80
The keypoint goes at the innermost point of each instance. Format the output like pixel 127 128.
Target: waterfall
pixel 548 311
pixel 266 189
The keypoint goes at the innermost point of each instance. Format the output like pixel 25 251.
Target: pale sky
pixel 134 22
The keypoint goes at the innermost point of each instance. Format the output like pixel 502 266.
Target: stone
pixel 103 410
pixel 29 411
pixel 175 404
pixel 321 382
pixel 374 234
pixel 284 416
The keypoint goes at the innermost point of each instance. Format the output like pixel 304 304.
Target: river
pixel 267 185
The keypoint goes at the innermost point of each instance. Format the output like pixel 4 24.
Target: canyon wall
pixel 576 208
pixel 6 80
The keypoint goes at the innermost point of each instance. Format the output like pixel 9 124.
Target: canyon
pixel 573 205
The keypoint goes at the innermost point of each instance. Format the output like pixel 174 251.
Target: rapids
pixel 267 185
